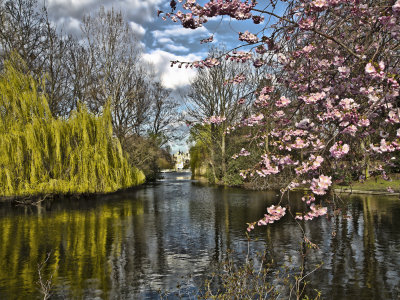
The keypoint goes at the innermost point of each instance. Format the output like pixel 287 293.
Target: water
pixel 130 245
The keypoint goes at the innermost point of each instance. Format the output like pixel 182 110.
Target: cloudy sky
pixel 163 41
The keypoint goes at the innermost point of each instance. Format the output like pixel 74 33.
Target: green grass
pixel 374 184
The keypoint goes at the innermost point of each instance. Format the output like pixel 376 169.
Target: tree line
pixel 104 64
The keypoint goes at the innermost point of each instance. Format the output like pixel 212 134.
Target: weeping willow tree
pixel 41 154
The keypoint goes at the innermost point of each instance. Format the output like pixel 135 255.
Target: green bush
pixel 233 177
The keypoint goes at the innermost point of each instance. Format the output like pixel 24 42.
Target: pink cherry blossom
pixel 215 120
pixel 348 104
pixel 306 24
pixel 394 116
pixel 314 97
pixel 282 102
pixel 370 69
pixel 364 122
pixel 248 37
pixel 319 3
pixel 351 130
pixel 275 213
pixel 315 211
pixel 345 71
pixel 396 7
pixel 340 90
pixel 319 186
pixel 308 49
pixel 308 199
pixel 300 143
pixel 338 150
pixel 244 152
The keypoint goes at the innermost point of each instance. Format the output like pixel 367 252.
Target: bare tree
pixel 218 92
pixel 25 29
pixel 79 70
pixel 165 119
pixel 113 64
pixel 56 62
pixel 22 30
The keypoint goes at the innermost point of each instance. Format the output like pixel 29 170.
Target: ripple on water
pixel 132 244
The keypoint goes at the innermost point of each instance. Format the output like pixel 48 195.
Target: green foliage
pixel 200 152
pixel 163 163
pixel 197 158
pixel 146 154
pixel 232 177
pixel 210 176
pixel 40 154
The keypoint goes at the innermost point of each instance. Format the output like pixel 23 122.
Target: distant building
pixel 181 159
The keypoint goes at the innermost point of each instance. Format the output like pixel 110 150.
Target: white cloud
pixel 69 25
pixel 176 48
pixel 175 38
pixel 137 29
pixel 171 77
pixel 164 41
pixel 178 31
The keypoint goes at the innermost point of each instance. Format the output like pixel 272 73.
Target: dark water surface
pixel 129 245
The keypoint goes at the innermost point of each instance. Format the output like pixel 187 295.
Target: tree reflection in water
pixel 131 244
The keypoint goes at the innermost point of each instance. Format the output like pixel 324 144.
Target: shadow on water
pixel 131 244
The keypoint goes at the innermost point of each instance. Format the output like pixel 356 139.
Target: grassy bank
pixel 374 184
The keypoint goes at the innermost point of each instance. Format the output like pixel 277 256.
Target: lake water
pixel 132 244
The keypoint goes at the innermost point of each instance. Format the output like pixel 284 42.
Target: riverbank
pixel 36 199
pixel 372 186
pixel 353 191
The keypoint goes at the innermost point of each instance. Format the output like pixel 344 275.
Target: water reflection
pixel 130 245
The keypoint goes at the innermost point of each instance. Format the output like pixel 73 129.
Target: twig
pixel 45 286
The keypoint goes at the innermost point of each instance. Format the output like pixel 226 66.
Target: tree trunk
pixel 366 161
pixel 212 161
pixel 223 163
